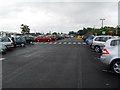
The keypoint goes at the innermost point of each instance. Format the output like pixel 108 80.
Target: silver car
pixel 111 54
pixel 98 42
pixel 7 42
pixel 2 48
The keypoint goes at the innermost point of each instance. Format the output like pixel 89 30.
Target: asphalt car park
pixel 66 63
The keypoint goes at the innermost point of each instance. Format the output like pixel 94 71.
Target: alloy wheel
pixel 116 67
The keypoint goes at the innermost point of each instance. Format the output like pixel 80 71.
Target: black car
pixel 29 40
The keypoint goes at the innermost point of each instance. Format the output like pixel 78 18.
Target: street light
pixel 102 22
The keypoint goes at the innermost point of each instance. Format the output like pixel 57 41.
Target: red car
pixel 52 38
pixel 42 38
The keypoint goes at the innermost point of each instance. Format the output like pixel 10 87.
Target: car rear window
pixel 5 40
pixel 102 39
pixel 115 42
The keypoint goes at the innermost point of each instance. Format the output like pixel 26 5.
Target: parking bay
pixel 56 66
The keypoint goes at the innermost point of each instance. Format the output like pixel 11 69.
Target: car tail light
pixel 104 51
pixel 12 43
pixel 103 46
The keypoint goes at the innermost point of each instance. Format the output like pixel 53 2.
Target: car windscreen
pixel 115 42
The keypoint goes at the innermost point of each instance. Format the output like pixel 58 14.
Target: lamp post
pixel 118 26
pixel 102 22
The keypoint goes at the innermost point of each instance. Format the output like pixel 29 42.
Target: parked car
pixel 111 54
pixel 29 39
pixel 2 48
pixel 98 42
pixel 59 37
pixel 19 41
pixel 42 38
pixel 89 40
pixel 52 37
pixel 7 41
pixel 86 36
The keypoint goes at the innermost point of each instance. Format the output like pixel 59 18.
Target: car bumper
pixel 105 59
pixel 10 46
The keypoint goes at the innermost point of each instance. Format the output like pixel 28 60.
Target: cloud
pixel 57 16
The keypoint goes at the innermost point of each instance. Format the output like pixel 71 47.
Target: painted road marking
pixel 69 43
pixel 41 43
pixel 60 43
pixel 84 43
pixel 74 42
pixel 50 43
pixel 2 59
pixel 79 42
pixel 27 55
pixel 55 42
pixel 45 42
pixel 65 43
pixel 35 43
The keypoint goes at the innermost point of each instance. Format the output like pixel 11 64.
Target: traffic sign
pixel 110 31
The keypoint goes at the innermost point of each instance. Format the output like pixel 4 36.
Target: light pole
pixel 118 26
pixel 102 22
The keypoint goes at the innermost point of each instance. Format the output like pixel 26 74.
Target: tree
pixel 25 29
pixel 48 34
pixel 54 33
pixel 72 33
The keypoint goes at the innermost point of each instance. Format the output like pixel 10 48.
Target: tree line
pixel 95 31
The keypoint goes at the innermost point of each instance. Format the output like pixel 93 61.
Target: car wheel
pixel 116 66
pixel 31 42
pixel 91 46
pixel 97 49
pixel 38 40
pixel 22 45
pixel 48 40
pixel 14 45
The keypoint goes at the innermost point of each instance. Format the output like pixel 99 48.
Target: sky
pixel 56 16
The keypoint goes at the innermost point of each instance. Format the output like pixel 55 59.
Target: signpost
pixel 111 31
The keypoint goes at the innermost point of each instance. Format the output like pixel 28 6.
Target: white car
pixel 98 42
pixel 7 42
pixel 111 54
pixel 2 48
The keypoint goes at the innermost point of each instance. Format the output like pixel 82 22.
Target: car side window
pixel 97 39
pixel 104 39
pixel 5 40
pixel 115 42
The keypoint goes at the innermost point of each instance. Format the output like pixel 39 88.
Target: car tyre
pixel 115 66
pixel 97 49
pixel 48 40
pixel 91 46
pixel 22 45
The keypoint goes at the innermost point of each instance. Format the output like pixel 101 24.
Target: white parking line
pixel 55 42
pixel 79 42
pixel 60 43
pixel 27 55
pixel 65 43
pixel 41 43
pixel 2 59
pixel 35 43
pixel 45 42
pixel 74 42
pixel 69 43
pixel 84 43
pixel 50 43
